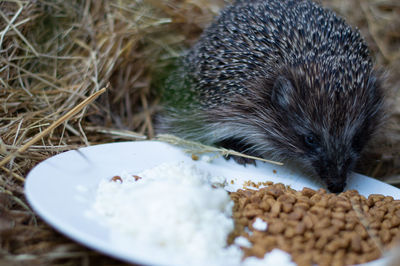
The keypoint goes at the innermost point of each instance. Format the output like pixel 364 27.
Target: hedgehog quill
pixel 283 79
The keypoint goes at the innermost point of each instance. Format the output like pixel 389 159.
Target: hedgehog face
pixel 324 126
pixel 331 163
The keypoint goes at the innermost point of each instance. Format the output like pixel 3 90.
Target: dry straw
pixel 54 54
pixel 55 124
pixel 198 148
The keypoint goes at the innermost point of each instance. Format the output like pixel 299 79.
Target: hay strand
pixel 58 122
pixel 198 148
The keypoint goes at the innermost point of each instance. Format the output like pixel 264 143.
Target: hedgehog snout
pixel 333 175
pixel 335 185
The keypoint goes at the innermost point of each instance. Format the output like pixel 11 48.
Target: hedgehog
pixel 282 79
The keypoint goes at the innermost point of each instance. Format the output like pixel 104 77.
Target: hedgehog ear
pixel 282 92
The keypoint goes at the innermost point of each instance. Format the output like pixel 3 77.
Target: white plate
pixel 62 188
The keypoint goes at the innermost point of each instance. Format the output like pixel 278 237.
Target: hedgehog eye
pixel 311 141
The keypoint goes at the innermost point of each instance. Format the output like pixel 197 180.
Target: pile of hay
pixel 55 54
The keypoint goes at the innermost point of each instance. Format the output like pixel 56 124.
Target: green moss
pixel 174 85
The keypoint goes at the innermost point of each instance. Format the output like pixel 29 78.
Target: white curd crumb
pixel 260 225
pixel 206 158
pixel 276 257
pixel 241 241
pixel 170 206
pixel 217 181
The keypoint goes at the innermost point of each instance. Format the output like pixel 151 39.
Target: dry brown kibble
pixel 395 231
pixel 268 241
pixel 338 257
pixel 351 217
pixel 339 224
pixel 351 259
pixel 276 227
pixel 242 221
pixel 287 198
pixel 365 208
pixel 325 259
pixel 136 177
pixel 274 191
pixel 333 245
pixel 361 231
pixel 116 179
pixel 290 232
pixel 322 223
pixel 385 236
pixel 242 202
pixel 318 210
pixel 309 244
pixel 265 206
pixel 297 214
pixel 381 204
pixel 303 259
pixel 376 197
pixel 323 202
pixel 375 225
pixel 276 208
pixel 302 205
pixel 256 198
pixel 373 255
pixel 287 207
pixel 394 221
pixel 257 250
pixel 308 235
pixel 300 228
pixel 315 198
pixel 317 227
pixel 355 243
pixel 378 213
pixel 344 204
pixel 308 221
pixel 321 242
pixel 308 192
pixel 251 210
pixel 338 215
pixel 330 233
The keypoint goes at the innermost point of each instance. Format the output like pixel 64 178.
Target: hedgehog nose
pixel 336 187
pixel 335 179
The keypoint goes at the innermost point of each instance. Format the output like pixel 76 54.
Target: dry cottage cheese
pixel 260 225
pixel 175 207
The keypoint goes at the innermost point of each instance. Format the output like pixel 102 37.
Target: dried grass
pixel 54 54
pixel 196 148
